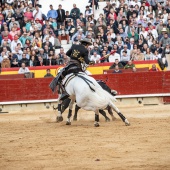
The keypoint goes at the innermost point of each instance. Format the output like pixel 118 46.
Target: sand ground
pixel 35 141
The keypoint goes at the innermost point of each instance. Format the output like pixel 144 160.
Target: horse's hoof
pixel 127 122
pixel 74 119
pixel 59 119
pixel 107 120
pixel 68 123
pixel 96 124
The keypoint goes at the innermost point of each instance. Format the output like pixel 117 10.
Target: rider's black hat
pixel 86 40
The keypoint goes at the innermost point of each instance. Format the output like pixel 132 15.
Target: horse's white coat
pixel 87 99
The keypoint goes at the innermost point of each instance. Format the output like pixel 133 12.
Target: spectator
pixel 52 13
pixel 29 14
pixel 48 73
pixel 61 16
pixel 37 14
pixel 154 68
pixel 5 62
pixel 116 70
pixel 63 32
pixel 23 69
pixel 129 65
pixel 116 63
pixel 75 13
pixel 95 57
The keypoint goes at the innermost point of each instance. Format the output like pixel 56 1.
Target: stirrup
pixel 64 96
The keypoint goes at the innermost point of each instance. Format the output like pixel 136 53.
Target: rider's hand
pixel 91 63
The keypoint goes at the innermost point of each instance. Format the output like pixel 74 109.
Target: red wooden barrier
pixel 26 89
pixel 125 84
pixel 12 76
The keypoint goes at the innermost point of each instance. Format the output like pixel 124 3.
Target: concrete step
pixel 100 10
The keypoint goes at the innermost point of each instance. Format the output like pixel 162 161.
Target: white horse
pixel 88 95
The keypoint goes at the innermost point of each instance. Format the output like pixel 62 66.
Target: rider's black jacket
pixel 79 53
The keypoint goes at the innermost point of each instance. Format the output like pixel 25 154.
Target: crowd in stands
pixel 135 30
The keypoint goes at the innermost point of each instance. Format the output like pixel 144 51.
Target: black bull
pixel 66 102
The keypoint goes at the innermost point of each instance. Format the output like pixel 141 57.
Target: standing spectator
pixel 75 14
pixel 52 13
pixel 61 16
pixel 37 14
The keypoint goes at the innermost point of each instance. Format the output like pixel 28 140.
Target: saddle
pixel 72 67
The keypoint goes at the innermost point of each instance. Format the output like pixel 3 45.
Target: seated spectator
pixel 113 56
pixel 124 57
pixel 63 34
pixel 48 73
pixel 29 14
pixel 5 62
pixel 137 55
pixel 70 28
pixel 116 70
pixel 129 65
pixel 23 69
pixel 40 61
pixel 79 32
pixel 24 38
pixel 148 55
pixel 154 68
pixel 116 63
pixel 15 42
pixel 42 54
pixel 95 57
pixel 14 61
pixel 32 61
pixel 156 55
pixel 60 57
pixel 24 60
pixel 125 48
pixel 164 40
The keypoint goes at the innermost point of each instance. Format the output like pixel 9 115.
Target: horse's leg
pixel 102 112
pixel 119 113
pixel 109 109
pixel 59 117
pixel 70 112
pixel 96 123
pixel 77 108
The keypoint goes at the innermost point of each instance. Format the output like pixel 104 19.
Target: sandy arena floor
pixel 34 141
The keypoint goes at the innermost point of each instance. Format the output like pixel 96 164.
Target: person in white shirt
pixel 95 57
pixel 143 32
pixel 37 14
pixel 23 69
pixel 125 48
pixel 15 42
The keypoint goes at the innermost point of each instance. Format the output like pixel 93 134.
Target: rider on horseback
pixel 78 55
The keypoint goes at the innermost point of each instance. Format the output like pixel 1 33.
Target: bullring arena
pixel 33 140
